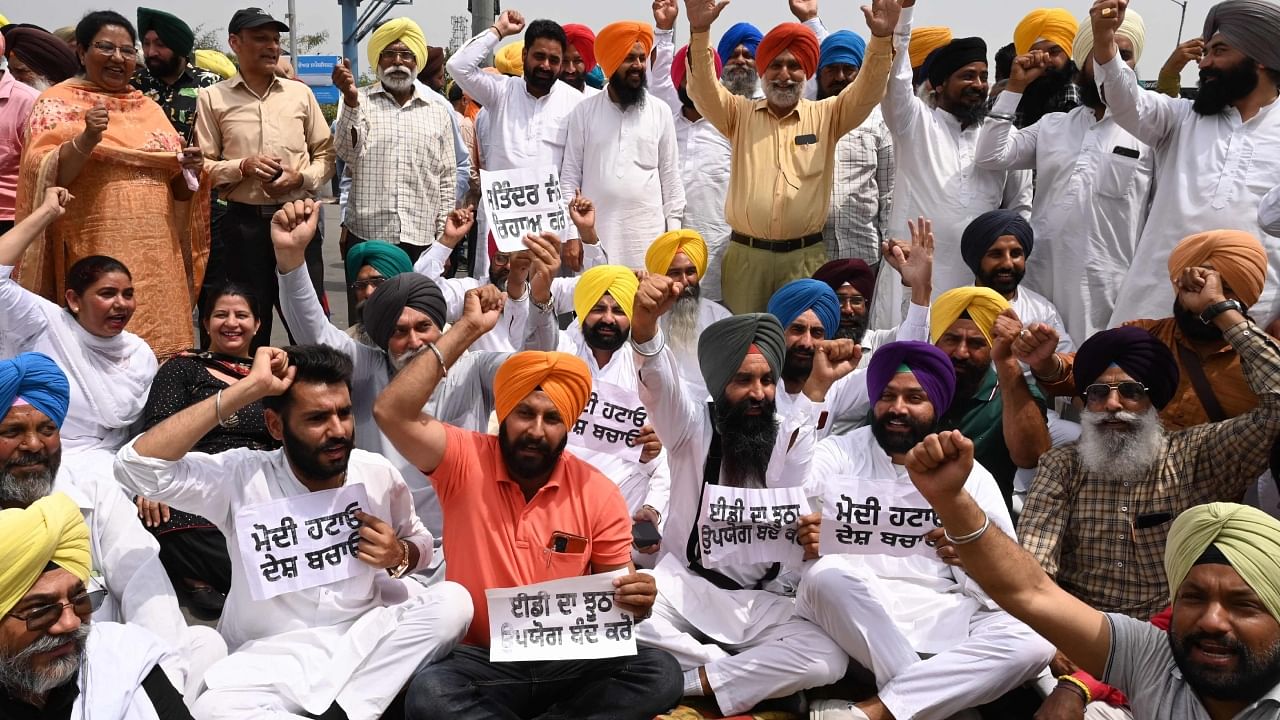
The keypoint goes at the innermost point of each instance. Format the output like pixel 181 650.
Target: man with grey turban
pixel 739 642
pixel 1212 155
pixel 405 317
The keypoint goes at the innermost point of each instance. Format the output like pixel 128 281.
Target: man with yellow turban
pixel 1047 36
pixel 169 77
pixel 406 204
pixel 621 150
pixel 994 404
pixel 519 510
pixel 682 256
pixel 733 627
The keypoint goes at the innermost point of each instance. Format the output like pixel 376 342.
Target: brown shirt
pixel 234 123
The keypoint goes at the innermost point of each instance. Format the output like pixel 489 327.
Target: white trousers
pixel 204 648
pixel 1000 653
pixel 426 628
pixel 780 660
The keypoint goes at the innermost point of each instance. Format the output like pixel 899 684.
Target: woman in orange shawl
pixel 115 150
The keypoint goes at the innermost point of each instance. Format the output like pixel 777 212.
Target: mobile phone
pixel 644 534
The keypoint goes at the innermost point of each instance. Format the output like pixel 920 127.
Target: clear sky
pixel 994 20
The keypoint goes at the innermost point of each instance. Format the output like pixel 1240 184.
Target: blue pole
pixel 348 34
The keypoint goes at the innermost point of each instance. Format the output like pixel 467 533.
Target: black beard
pixel 797 364
pixel 1036 97
pixel 306 459
pixel 685 100
pixel 579 82
pixel 539 80
pixel 852 328
pixel 968 114
pixel 897 443
pixel 746 441
pixel 19 487
pixel 498 278
pixel 1253 677
pixel 1004 287
pixel 1089 95
pixel 521 469
pixel 1190 325
pixel 969 376
pixel 629 94
pixel 1227 86
pixel 161 69
pixel 596 341
pixel 837 87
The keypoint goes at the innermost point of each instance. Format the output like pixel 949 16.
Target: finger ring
pixel 1108 12
pixel 1024 333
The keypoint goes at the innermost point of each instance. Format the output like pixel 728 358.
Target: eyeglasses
pixel 501 258
pixel 128 52
pixel 46 616
pixel 1098 393
pixel 401 55
pixel 372 282
pixel 855 301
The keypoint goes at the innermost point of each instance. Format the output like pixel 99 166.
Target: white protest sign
pixel 301 542
pixel 751 525
pixel 570 619
pixel 611 422
pixel 869 516
pixel 522 201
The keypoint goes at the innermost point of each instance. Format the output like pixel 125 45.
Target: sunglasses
pixel 372 282
pixel 46 616
pixel 1099 393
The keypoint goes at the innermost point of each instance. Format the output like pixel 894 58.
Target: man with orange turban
pixel 519 510
pixel 621 152
pixel 579 58
pixel 783 148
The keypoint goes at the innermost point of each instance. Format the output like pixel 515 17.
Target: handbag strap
pixel 1200 382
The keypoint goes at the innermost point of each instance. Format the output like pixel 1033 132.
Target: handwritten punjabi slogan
pixel 750 525
pixel 301 542
pixel 521 201
pixel 570 619
pixel 862 516
pixel 611 422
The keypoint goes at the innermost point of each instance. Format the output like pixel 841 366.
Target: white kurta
pixel 305 645
pixel 1090 205
pixel 626 162
pixel 117 659
pixel 937 178
pixel 709 311
pixel 1211 174
pixel 1269 212
pixel 1032 307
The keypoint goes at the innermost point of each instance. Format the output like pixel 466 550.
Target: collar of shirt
pixel 238 79
pixel 6 84
pixel 417 96
pixel 552 484
pixel 763 104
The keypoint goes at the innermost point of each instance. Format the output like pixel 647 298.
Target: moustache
pixel 27 459
pixel 339 444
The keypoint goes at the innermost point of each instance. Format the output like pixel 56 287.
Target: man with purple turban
pixel 38 58
pixel 887 609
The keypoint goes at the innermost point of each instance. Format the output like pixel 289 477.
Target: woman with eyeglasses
pixel 133 177
pixel 369 264
pixel 191 548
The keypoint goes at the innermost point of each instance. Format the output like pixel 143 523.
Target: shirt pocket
pixel 556 132
pixel 807 160
pixel 567 564
pixel 1116 175
pixel 646 152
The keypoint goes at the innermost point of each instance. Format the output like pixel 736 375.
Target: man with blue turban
pixel 737 50
pixel 888 611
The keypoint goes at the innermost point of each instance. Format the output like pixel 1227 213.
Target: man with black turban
pixel 168 76
pixel 733 627
pixel 39 58
pixel 404 317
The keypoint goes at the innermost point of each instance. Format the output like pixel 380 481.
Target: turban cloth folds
pixel 924 40
pixel 402 29
pixel 793 299
pixel 680 65
pixel 932 367
pixel 1247 536
pixel 986 229
pixel 1055 25
pixel 383 308
pixel 584 41
pixel 850 270
pixel 37 379
pixel 1250 26
pixel 433 64
pixel 215 62
pixel 1137 352
pixel 740 34
pixel 663 250
pixel 563 377
pixel 1236 255
pixel 982 304
pixel 615 41
pixel 620 282
pixel 596 78
pixel 1132 28
pixel 173 32
pixel 386 258
pixel 43 52
pixel 795 37
pixel 509 59
pixel 50 530
pixel 844 47
pixel 725 343
pixel 954 56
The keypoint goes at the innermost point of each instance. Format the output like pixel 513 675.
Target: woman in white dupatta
pixel 110 369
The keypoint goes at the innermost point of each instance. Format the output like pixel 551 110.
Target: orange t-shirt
pixel 494 539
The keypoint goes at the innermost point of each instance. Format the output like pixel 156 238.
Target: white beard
pixel 396 79
pixel 1126 454
pixel 681 324
pixel 787 97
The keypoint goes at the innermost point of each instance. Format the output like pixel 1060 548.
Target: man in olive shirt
pixel 267 143
pixel 783 147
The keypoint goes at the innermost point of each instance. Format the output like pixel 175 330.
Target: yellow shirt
pixel 234 123
pixel 780 189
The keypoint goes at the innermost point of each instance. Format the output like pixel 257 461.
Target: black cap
pixel 253 18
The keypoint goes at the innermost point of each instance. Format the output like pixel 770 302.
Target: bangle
pixel 1057 374
pixel 217 410
pixel 971 537
pixel 1076 684
pixel 1001 116
pixel 444 369
pixel 76 146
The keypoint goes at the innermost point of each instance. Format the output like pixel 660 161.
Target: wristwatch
pixel 400 569
pixel 1216 309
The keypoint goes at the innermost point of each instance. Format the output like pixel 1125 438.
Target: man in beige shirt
pixel 783 148
pixel 267 143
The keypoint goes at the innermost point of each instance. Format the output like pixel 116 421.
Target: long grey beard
pixel 1127 454
pixel 681 325
pixel 20 679
pixel 21 492
pixel 740 80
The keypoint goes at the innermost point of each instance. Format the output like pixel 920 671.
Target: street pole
pixel 482 14
pixel 293 34
pixel 1181 20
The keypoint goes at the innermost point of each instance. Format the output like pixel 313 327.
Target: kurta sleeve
pixel 720 107
pixel 23 314
pixel 660 84
pixel 669 174
pixel 1001 146
pixel 464 67
pixel 574 147
pixel 673 414
pixel 1148 116
pixel 199 484
pixel 901 108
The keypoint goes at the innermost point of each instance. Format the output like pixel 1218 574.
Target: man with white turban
pixel 1093 184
